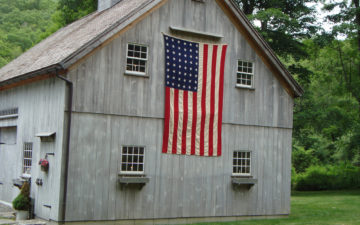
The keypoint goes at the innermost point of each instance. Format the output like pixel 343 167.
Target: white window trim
pixel 132 172
pixel 137 73
pixel 250 168
pixel 252 75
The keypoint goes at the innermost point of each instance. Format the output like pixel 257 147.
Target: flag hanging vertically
pixel 194 79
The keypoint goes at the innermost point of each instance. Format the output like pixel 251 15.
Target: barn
pixel 97 101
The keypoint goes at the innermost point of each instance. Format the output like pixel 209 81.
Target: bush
pixel 22 201
pixel 330 177
pixel 293 178
pixel 302 159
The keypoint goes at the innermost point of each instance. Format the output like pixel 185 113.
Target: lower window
pixel 242 163
pixel 132 160
pixel 27 157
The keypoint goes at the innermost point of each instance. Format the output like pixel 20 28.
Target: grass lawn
pixel 326 207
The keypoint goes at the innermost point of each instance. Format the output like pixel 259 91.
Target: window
pixel 242 163
pixel 8 135
pixel 245 74
pixel 27 157
pixel 132 160
pixel 136 59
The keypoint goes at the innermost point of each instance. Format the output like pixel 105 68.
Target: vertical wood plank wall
pixel 112 109
pixel 41 109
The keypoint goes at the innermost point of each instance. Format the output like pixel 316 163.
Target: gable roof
pixel 71 43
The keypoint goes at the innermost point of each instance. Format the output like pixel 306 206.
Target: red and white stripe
pixel 193 119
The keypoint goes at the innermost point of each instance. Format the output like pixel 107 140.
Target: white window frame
pixel 251 86
pixel 26 160
pixel 143 162
pixel 241 165
pixel 132 72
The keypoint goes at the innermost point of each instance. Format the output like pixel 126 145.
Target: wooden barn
pixel 93 100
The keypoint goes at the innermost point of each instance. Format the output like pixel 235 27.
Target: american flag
pixel 194 79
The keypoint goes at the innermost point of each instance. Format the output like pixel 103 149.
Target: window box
pixel 128 181
pixel 243 182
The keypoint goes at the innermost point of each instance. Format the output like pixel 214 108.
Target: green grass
pixel 320 208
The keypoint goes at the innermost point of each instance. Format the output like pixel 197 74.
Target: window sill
pixel 9 116
pixel 18 182
pixel 245 87
pixel 133 180
pixel 137 74
pixel 238 181
pixel 26 176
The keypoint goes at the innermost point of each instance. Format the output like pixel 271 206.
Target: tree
pixel 22 24
pixel 347 22
pixel 70 10
pixel 284 23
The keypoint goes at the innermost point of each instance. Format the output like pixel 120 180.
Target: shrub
pixel 302 159
pixel 293 178
pixel 330 177
pixel 22 201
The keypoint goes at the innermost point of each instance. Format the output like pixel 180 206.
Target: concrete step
pixel 7 222
pixel 21 222
pixel 7 215
pixel 31 222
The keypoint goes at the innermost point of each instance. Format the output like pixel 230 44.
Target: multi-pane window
pixel 132 159
pixel 245 74
pixel 27 157
pixel 242 163
pixel 136 59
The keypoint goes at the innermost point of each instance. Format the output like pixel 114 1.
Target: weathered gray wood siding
pixel 112 109
pixel 41 109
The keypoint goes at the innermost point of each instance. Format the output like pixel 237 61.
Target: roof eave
pixel 109 33
pixel 27 76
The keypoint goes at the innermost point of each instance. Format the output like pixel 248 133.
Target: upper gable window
pixel 136 59
pixel 245 74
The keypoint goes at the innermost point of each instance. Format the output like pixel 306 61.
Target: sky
pixel 321 15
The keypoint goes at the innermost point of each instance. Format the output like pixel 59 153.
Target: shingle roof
pixel 69 44
pixel 61 45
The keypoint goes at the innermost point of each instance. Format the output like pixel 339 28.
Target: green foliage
pixel 70 10
pixel 22 24
pixel 25 23
pixel 326 118
pixel 302 159
pixel 283 23
pixel 22 201
pixel 329 177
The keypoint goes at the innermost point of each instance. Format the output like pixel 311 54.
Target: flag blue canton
pixel 181 64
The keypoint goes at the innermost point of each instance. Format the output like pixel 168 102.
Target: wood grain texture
pixel 112 109
pixel 41 109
